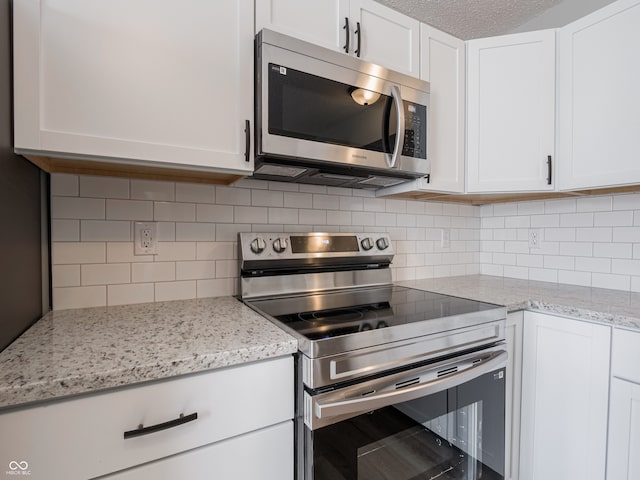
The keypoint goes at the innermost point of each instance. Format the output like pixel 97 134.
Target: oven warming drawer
pixel 329 370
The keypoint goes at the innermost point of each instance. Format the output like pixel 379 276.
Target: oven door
pixel 445 421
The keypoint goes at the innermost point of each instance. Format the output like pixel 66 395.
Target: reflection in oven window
pixel 444 436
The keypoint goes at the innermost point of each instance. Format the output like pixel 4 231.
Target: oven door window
pixel 454 434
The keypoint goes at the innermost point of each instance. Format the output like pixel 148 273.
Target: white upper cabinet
pixel 150 82
pixel 511 112
pixel 599 98
pixel 442 64
pixel 361 28
pixel 322 23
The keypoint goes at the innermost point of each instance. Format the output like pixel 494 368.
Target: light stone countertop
pixel 70 352
pixel 615 307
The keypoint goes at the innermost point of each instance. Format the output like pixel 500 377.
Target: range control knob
pixel 382 243
pixel 367 243
pixel 280 244
pixel 258 245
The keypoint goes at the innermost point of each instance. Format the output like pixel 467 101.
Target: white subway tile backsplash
pixel 522 221
pixel 505 209
pixel 559 262
pixel 166 291
pixel 314 217
pixel 105 231
pixel 65 230
pixel 79 297
pixel 175 251
pixel 283 186
pixel 153 190
pixel 386 219
pixel 415 207
pixel 216 250
pixel 227 268
pixel 195 270
pixel 267 198
pixel 591 264
pixel 228 232
pixel 396 206
pixel 576 249
pixel 195 193
pixel 626 234
pixel 153 272
pixel 576 220
pixel 351 203
pixel 531 208
pixel 105 274
pixel 64 185
pixel 545 221
pixel 574 278
pixel 214 213
pixel 65 276
pixel 594 204
pixel 614 219
pixel 298 200
pixel 70 253
pixel 195 232
pixel 516 272
pixel 613 250
pixel 77 208
pixel 493 222
pixel 560 234
pixel 626 267
pixel 283 215
pixel 174 212
pixel 130 293
pixel 629 201
pixel 104 187
pixel 250 214
pixel 543 275
pixel 373 205
pixel 616 282
pixel 122 252
pixel 326 202
pixel 233 196
pixel 217 287
pixel 129 210
pixel 565 205
pixel 337 217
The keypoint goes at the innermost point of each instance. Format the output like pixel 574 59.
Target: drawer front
pixel 84 437
pixel 263 455
pixel 625 362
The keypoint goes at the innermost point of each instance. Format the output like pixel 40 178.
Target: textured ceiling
pixel 468 19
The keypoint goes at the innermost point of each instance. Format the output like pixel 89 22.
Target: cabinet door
pixel 387 37
pixel 511 112
pixel 565 391
pixel 262 455
pixel 153 82
pixel 623 461
pixel 598 99
pixel 322 23
pixel 514 390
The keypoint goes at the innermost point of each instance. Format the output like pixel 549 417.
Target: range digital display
pixel 320 244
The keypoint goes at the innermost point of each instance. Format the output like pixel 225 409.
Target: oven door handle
pixel 392 394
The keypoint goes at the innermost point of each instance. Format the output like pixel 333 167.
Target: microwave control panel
pixel 415 130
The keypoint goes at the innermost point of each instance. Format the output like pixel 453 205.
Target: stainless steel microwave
pixel 323 117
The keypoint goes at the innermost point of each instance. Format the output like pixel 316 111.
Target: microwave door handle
pixel 397 148
pixel 374 401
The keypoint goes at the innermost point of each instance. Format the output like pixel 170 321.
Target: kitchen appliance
pixel 393 382
pixel 323 117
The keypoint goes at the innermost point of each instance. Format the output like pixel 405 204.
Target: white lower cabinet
pixel 565 393
pixel 263 455
pixel 513 392
pixel 623 461
pixel 84 437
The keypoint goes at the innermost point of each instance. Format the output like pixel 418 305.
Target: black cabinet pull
pixel 357 51
pixel 346 27
pixel 548 169
pixel 247 139
pixel 141 430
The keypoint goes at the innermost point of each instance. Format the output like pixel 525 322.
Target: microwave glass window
pixel 313 108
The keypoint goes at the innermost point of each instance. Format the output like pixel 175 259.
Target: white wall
pixel 92 243
pixel 591 241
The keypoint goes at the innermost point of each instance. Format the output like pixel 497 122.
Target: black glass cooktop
pixel 336 314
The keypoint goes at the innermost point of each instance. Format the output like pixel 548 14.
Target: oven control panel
pixel 267 246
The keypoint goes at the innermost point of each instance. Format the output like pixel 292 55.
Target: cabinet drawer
pixel 625 362
pixel 84 437
pixel 263 455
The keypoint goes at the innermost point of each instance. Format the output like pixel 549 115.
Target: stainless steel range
pixel 394 383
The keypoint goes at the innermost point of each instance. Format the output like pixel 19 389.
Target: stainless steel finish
pixel 360 164
pixel 270 258
pixel 397 148
pixel 258 245
pixel 382 243
pixel 342 367
pixel 334 406
pixel 271 287
pixel 366 243
pixel 280 244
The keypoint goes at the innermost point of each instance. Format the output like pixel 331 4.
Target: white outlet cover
pixel 145 238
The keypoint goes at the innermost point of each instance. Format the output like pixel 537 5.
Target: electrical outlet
pixel 145 238
pixel 534 238
pixel 445 238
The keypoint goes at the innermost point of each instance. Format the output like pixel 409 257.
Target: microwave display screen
pixel 314 108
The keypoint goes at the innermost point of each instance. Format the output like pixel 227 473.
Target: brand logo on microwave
pixel 364 157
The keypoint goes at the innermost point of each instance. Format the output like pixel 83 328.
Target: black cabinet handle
pixel 357 50
pixel 141 430
pixel 247 139
pixel 346 27
pixel 549 170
